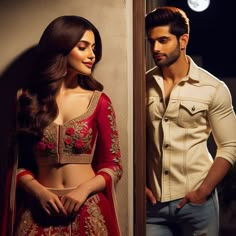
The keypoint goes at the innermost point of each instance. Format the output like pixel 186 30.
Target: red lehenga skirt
pixel 95 218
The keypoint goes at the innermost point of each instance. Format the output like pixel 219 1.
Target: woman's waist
pixel 61 191
pixel 65 176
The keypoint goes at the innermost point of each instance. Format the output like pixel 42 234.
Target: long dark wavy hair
pixel 37 107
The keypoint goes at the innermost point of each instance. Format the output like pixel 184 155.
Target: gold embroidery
pixel 48 142
pixel 28 227
pixel 115 148
pixel 95 223
pixel 25 225
pixel 75 226
pixel 77 137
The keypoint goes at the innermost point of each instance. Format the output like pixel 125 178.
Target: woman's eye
pixel 81 48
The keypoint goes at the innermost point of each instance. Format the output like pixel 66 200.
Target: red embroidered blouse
pixel 89 138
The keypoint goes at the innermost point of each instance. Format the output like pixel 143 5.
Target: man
pixel 184 104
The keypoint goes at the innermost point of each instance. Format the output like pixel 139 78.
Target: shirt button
pixel 166 145
pixel 166 119
pixel 166 172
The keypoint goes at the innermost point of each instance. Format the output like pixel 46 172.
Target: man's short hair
pixel 172 16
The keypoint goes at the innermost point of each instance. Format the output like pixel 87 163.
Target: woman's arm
pixel 106 161
pixel 48 200
pixel 107 158
pixel 73 200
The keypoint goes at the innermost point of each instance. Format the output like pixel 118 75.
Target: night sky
pixel 213 36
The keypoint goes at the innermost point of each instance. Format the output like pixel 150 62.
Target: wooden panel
pixel 139 118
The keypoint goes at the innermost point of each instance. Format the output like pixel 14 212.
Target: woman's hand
pixel 50 203
pixel 75 199
pixel 48 200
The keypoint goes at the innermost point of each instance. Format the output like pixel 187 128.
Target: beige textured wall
pixel 21 26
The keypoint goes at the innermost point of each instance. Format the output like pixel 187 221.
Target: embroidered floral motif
pixel 95 223
pixel 50 145
pixel 115 149
pixel 118 171
pixel 25 225
pixel 47 144
pixel 70 131
pixel 28 227
pixel 78 137
pixel 41 146
pixel 68 140
pixel 79 144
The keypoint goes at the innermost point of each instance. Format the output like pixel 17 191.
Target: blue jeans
pixel 163 219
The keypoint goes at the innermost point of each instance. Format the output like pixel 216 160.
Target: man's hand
pixel 218 170
pixel 196 197
pixel 150 195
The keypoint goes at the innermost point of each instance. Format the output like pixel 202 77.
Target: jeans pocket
pixel 201 204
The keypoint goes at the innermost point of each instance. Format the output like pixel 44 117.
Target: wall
pixel 22 23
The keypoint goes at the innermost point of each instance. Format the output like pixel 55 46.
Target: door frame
pixel 139 127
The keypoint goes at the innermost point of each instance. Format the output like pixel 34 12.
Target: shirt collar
pixel 193 72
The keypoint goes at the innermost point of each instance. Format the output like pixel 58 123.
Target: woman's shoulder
pixel 103 97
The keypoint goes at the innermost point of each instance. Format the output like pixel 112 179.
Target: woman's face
pixel 81 58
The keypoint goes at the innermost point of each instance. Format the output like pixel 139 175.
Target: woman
pixel 68 150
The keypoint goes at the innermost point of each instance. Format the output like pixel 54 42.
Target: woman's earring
pixel 65 74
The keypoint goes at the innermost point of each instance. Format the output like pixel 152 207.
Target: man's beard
pixel 169 59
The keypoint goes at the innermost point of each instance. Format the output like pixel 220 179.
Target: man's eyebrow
pixel 157 38
pixel 161 37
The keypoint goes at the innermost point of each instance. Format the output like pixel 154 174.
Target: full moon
pixel 198 5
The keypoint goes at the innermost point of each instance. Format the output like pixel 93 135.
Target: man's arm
pixel 218 170
pixel 223 124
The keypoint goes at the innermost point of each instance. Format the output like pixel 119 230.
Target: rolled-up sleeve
pixel 223 123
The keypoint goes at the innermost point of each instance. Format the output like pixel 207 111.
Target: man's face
pixel 164 46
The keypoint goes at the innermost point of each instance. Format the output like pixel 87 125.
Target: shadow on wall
pixel 15 76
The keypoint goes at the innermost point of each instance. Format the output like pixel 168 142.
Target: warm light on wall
pixel 198 5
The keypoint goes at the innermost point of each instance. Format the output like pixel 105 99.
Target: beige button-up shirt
pixel 177 156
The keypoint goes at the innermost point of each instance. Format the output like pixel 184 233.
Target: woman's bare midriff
pixel 64 176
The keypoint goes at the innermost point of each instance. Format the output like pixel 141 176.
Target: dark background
pixel 213 35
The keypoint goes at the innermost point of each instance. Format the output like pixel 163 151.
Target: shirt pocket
pixel 153 108
pixel 192 114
